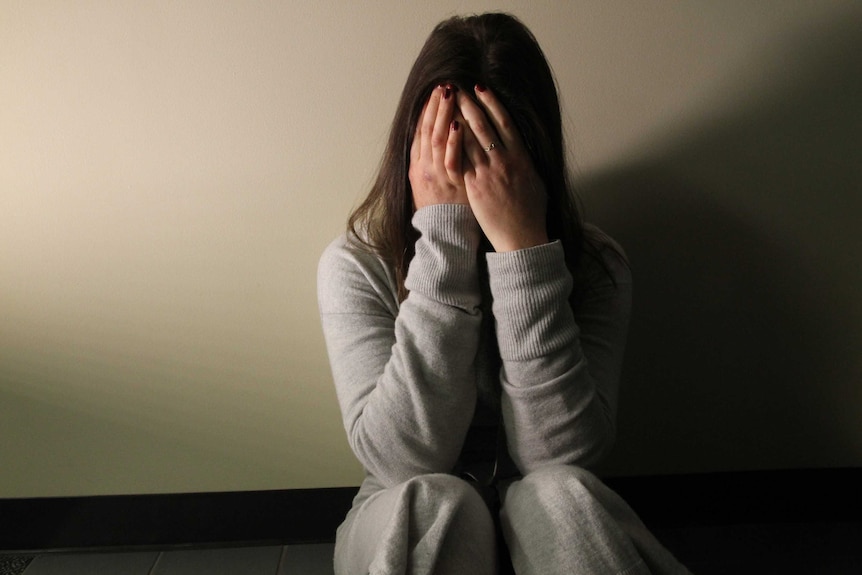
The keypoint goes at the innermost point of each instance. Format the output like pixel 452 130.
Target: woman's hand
pixel 435 156
pixel 506 194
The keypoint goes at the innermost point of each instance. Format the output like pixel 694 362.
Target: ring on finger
pixel 490 147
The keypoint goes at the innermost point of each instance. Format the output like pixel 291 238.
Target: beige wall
pixel 170 172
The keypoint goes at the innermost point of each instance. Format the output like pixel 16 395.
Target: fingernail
pixel 455 125
pixel 447 92
pixel 480 88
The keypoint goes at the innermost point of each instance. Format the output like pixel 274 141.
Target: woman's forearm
pixel 560 372
pixel 406 382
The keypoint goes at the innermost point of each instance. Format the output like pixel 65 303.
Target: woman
pixel 476 330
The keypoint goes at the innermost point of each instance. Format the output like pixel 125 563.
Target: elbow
pixel 394 459
pixel 585 447
pixel 598 438
pixel 597 442
pixel 599 446
pixel 370 455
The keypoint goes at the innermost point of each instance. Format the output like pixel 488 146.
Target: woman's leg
pixel 432 524
pixel 563 519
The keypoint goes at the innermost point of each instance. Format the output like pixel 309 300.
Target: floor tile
pixel 307 559
pixel 14 563
pixel 131 563
pixel 234 561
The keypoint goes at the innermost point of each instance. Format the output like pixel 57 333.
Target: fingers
pixel 436 151
pixel 425 126
pixel 442 123
pixel 433 128
pixel 500 119
pixel 454 151
pixel 481 132
pixel 491 125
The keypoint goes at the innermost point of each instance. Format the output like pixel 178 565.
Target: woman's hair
pixel 495 50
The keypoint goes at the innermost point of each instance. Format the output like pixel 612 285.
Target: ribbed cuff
pixel 531 288
pixel 444 266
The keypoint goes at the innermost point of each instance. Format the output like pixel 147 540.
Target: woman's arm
pixel 405 375
pixel 405 378
pixel 561 369
pixel 560 372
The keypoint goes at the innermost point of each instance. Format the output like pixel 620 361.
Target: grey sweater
pixel 473 339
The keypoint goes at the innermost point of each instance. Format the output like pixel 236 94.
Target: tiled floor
pixel 275 560
pixel 787 548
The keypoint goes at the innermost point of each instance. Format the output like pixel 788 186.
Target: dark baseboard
pixel 747 497
pixel 169 520
pixel 312 515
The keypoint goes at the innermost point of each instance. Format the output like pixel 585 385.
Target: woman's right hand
pixel 435 170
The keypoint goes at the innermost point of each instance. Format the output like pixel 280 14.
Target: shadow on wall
pixel 744 236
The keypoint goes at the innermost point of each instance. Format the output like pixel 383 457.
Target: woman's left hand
pixel 506 194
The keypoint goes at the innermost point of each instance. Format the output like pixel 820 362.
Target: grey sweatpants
pixel 559 519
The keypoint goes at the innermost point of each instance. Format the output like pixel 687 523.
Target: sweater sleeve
pixel 561 367
pixel 405 374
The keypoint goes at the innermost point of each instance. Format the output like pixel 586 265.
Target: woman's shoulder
pixel 603 258
pixel 348 254
pixel 348 268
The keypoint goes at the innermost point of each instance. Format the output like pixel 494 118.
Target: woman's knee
pixel 564 493
pixel 430 520
pixel 555 481
pixel 447 493
pixel 553 495
pixel 456 526
pixel 556 518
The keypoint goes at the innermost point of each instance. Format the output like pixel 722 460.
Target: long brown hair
pixel 498 51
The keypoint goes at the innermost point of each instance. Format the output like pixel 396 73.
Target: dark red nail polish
pixel 447 92
pixel 456 125
pixel 480 88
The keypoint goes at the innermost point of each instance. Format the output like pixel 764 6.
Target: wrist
pixel 520 242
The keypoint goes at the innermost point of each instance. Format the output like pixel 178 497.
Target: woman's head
pixel 498 51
